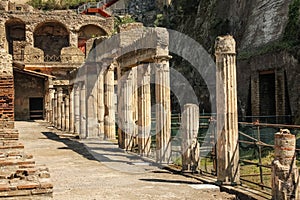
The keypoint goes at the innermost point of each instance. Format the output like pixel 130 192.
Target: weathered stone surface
pixel 71 55
pixel 227 116
pixel 285 173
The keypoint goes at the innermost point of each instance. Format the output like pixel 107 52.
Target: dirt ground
pixel 93 170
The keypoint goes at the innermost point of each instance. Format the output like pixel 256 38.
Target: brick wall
pixel 6 97
pixel 6 86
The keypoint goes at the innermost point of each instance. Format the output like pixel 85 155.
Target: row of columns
pixel 87 107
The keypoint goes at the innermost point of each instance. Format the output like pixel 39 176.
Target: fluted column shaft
pixel 59 110
pixel 91 92
pixel 144 110
pixel 67 113
pixel 71 108
pixel 63 115
pixel 109 117
pixel 55 109
pixel 190 145
pixel 100 104
pixel 82 133
pixel 76 108
pixel 227 121
pixel 163 111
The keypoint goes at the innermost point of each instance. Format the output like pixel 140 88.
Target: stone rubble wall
pixel 6 86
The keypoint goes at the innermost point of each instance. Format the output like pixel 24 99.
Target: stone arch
pixel 15 33
pixel 51 37
pixel 87 32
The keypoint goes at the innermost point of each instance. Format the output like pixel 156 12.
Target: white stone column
pixel 51 105
pixel 91 89
pixel 190 145
pixel 77 108
pixel 144 109
pixel 67 113
pixel 109 101
pixel 55 109
pixel 59 110
pixel 63 115
pixel 126 113
pixel 100 104
pixel 82 102
pixel 163 110
pixel 227 121
pixel 71 108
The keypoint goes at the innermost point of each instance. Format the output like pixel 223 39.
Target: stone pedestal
pixel 163 111
pixel 109 116
pixel 144 110
pixel 190 145
pixel 285 173
pixel 76 108
pixel 82 104
pixel 227 120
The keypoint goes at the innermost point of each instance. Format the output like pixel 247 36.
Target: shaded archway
pixel 15 31
pixel 87 32
pixel 51 37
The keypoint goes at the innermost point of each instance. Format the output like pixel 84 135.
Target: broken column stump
pixel 285 174
pixel 190 145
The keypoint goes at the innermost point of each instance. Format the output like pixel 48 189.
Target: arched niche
pixel 87 32
pixel 51 37
pixel 15 31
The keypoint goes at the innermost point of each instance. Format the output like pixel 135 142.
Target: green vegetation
pixel 122 20
pixel 292 31
pixel 57 5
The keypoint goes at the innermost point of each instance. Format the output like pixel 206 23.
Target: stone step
pixel 15 162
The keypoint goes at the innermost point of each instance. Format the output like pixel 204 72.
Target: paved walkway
pixel 93 170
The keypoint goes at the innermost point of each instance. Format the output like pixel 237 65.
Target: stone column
pixel 100 104
pixel 77 108
pixel 125 111
pixel 109 101
pixel 59 110
pixel 71 108
pixel 163 110
pixel 82 102
pixel 135 105
pixel 55 109
pixel 227 120
pixel 51 105
pixel 91 93
pixel 190 145
pixel 63 115
pixel 285 174
pixel 67 113
pixel 144 110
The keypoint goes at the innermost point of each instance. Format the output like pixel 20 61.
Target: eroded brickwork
pixel 6 86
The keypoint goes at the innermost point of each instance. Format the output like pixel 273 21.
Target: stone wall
pixel 286 71
pixel 69 19
pixel 6 86
pixel 26 87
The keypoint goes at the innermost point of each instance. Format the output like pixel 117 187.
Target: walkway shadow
pixel 169 181
pixel 71 144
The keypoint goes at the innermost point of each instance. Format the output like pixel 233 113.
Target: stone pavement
pixel 93 170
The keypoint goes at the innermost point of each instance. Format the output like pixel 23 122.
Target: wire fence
pixel 256 141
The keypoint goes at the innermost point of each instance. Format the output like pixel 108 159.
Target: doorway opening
pixel 36 108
